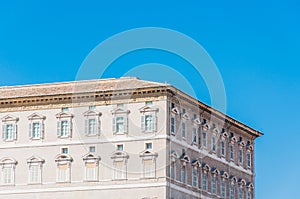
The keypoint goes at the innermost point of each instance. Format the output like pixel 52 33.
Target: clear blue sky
pixel 255 45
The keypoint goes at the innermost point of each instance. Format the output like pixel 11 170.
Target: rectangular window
pixel 223 189
pixel 240 156
pixel 183 174
pixel 240 193
pixel 63 173
pixel 194 177
pixel 204 139
pixel 8 175
pixel 249 195
pixel 214 185
pixel 92 108
pixel 149 168
pixel 223 149
pixel 65 109
pixel 148 146
pixel 65 150
pixel 173 170
pixel 120 125
pixel 213 144
pixel 120 170
pixel 148 123
pixel 183 129
pixel 65 127
pixel 9 132
pixel 36 130
pixel 92 149
pixel 231 192
pixel 173 125
pixel 248 160
pixel 204 181
pixel 195 136
pixel 120 147
pixel 35 173
pixel 231 148
pixel 92 127
pixel 91 171
pixel 149 103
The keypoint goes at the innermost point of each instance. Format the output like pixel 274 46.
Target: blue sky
pixel 255 45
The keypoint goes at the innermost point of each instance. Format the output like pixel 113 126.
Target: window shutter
pixel 86 127
pixel 70 128
pixel 42 130
pixel 114 124
pixel 143 122
pixel 125 124
pixel 3 131
pixel 154 123
pixel 58 129
pixel 30 130
pixel 98 124
pixel 15 127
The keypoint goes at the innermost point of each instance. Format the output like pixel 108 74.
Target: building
pixel 120 138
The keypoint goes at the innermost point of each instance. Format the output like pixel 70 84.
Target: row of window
pixel 92 123
pixel 211 180
pixel 91 166
pixel 219 142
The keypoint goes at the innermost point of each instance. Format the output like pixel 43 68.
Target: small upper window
pixel 92 108
pixel 65 150
pixel 148 146
pixel 149 103
pixel 120 147
pixel 65 109
pixel 92 149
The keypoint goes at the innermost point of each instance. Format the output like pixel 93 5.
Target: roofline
pixel 218 113
pixel 168 87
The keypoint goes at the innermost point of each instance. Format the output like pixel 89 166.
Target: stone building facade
pixel 120 138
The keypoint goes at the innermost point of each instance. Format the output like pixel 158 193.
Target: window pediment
pixel 205 127
pixel 36 116
pixel 91 157
pixel 225 134
pixel 148 109
pixel 233 139
pixel 148 153
pixel 242 182
pixel 233 179
pixel 175 110
pixel 249 185
pixel 185 116
pixel 196 163
pixel 120 154
pixel 64 115
pixel 250 147
pixel 174 156
pixel 206 167
pixel 92 113
pixel 35 159
pixel 197 121
pixel 215 171
pixel 184 158
pixel 9 118
pixel 224 174
pixel 119 110
pixel 63 157
pixel 242 143
pixel 7 160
